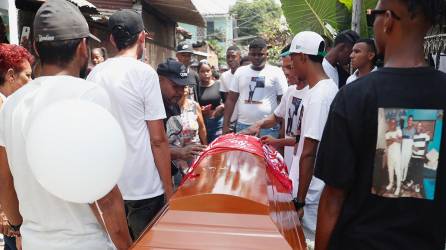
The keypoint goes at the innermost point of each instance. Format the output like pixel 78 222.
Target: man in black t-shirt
pixel 355 210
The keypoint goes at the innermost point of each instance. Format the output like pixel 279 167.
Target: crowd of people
pixel 363 150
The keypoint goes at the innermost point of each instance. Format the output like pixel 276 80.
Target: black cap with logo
pixel 184 48
pixel 58 20
pixel 124 24
pixel 174 71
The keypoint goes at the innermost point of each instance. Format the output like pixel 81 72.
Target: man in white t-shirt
pixel 136 99
pixel 394 137
pixel 43 220
pixel 285 113
pixel 233 57
pixel 339 56
pixel 363 58
pixel 307 50
pixel 259 87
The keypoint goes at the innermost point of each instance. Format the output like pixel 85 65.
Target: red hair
pixel 11 56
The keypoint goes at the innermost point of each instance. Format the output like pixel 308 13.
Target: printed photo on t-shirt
pixel 407 152
pixel 291 127
pixel 257 82
pixel 299 126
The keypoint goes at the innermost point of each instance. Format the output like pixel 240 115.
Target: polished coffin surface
pixel 231 201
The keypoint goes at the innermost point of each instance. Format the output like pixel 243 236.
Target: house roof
pixel 178 10
pixel 32 5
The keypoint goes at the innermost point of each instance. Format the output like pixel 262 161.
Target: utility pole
pixel 356 16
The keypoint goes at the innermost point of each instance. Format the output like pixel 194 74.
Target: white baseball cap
pixel 309 43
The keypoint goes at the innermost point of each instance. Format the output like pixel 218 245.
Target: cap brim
pixel 285 54
pixel 178 81
pixel 186 51
pixel 94 37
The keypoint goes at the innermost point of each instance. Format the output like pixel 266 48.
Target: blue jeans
pixel 9 243
pixel 141 212
pixel 213 127
pixel 274 131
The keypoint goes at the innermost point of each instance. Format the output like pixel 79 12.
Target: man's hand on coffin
pixel 191 151
pixel 267 139
pixel 252 130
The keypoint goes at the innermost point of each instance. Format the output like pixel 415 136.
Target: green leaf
pixel 309 15
pixel 347 3
pixel 312 15
pixel 365 30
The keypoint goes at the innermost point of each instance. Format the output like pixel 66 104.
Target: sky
pixel 215 6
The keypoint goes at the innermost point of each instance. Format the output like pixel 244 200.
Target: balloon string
pixel 103 221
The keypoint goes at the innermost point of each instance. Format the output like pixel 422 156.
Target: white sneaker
pixel 397 191
pixel 389 186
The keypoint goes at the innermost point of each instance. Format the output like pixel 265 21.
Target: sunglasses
pixel 371 15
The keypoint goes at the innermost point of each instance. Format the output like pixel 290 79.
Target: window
pixel 210 28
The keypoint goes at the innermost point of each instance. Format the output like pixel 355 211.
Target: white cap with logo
pixel 309 43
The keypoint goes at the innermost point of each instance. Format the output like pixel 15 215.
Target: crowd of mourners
pixel 351 117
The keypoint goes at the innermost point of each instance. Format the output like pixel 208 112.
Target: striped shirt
pixel 419 145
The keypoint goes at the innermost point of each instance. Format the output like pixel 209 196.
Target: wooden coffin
pixel 231 202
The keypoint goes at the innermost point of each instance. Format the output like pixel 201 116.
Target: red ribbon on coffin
pixel 229 142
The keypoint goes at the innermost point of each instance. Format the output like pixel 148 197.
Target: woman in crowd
pixel 186 128
pixel 15 71
pixel 211 101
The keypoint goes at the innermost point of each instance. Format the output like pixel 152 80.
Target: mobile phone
pixel 25 35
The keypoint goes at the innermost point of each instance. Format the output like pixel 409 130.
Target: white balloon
pixel 76 150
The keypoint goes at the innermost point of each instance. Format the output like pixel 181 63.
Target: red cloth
pixel 274 161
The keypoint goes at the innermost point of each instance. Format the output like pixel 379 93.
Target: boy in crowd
pixel 363 59
pixel 339 56
pixel 259 86
pixel 307 51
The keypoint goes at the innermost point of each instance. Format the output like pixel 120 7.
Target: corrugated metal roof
pixel 113 4
pixel 178 10
pixel 85 6
pixel 32 5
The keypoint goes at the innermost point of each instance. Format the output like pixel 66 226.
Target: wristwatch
pixel 298 204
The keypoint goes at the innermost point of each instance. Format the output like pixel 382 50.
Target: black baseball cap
pixel 58 20
pixel 184 48
pixel 124 24
pixel 173 70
